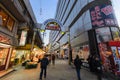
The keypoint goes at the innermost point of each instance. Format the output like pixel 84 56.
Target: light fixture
pixel 42 30
pixel 4 19
pixel 62 32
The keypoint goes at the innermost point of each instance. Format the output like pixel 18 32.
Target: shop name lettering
pixel 114 43
pixel 53 27
pixel 99 20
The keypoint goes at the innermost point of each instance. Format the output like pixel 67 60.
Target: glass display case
pixel 3 56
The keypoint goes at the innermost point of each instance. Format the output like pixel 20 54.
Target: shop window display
pixel 83 52
pixel 13 55
pixel 3 56
pixel 74 53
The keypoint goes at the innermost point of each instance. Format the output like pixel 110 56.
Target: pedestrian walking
pixel 78 63
pixel 44 62
pixel 49 59
pixel 90 62
pixel 98 69
pixel 53 59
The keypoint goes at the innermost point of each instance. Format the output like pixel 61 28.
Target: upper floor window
pixel 10 23
pixel 5 20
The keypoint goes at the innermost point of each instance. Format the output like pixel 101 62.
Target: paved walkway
pixel 4 72
pixel 61 71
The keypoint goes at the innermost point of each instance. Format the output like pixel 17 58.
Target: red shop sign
pixel 114 43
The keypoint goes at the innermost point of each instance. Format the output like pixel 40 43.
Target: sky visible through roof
pixel 116 5
pixel 46 9
pixel 43 10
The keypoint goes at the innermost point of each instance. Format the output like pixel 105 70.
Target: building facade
pixel 90 26
pixel 17 21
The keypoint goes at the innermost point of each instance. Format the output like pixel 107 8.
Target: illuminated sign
pixel 23 38
pixel 52 24
pixel 114 43
pixel 103 15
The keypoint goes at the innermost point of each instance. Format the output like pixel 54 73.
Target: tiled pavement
pixel 61 71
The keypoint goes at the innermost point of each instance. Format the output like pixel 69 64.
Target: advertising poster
pixel 103 34
pixel 103 15
pixel 116 59
pixel 115 48
pixel 105 54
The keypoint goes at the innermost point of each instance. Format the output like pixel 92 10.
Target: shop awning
pixel 26 47
pixel 36 49
pixel 5 45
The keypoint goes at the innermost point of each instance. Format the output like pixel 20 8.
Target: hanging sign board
pixel 52 24
pixel 23 38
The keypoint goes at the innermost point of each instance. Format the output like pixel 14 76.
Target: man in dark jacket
pixel 44 63
pixel 53 59
pixel 78 63
pixel 98 68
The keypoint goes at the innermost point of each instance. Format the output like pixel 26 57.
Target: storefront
pixel 38 54
pixel 23 53
pixel 115 50
pixel 64 51
pixel 104 37
pixel 83 52
pixel 7 38
pixel 5 50
pixel 110 56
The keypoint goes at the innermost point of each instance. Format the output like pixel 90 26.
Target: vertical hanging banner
pixel 102 16
pixel 23 38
